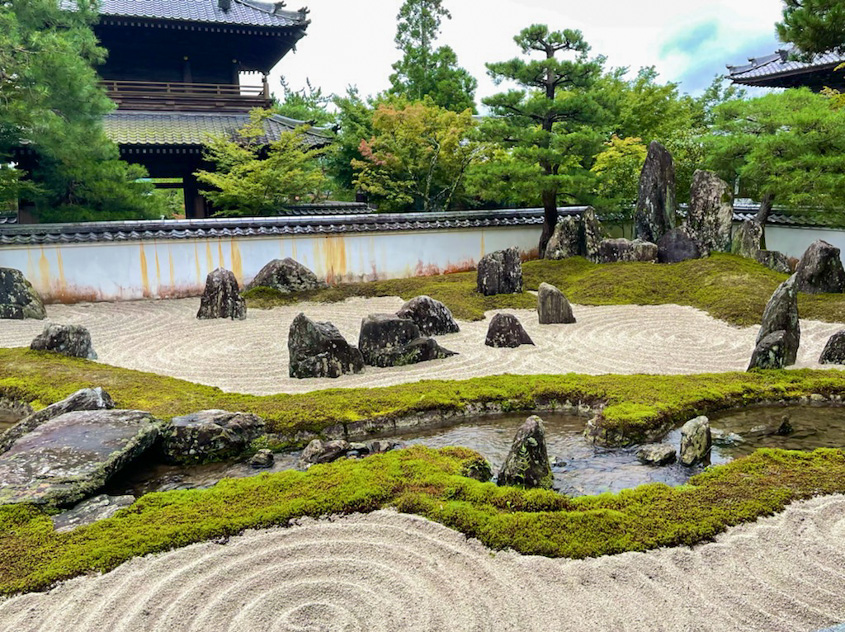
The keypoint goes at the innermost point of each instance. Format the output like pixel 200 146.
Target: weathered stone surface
pixel 286 276
pixel 324 451
pixel 710 214
pixel 593 233
pixel 86 399
pixel 696 441
pixel 379 446
pixel 834 350
pixel 552 306
pixel 676 246
pixel 770 352
pixel 747 239
pixel 387 340
pixel 576 236
pixel 505 330
pixel 72 456
pixel 209 435
pixel 90 511
pixel 724 438
pixel 18 299
pixel 656 207
pixel 319 350
pixel 262 460
pixel 820 270
pixel 657 454
pixel 221 298
pixel 500 272
pixel 614 250
pixel 781 314
pixel 774 260
pixel 527 464
pixel 69 340
pixel 432 317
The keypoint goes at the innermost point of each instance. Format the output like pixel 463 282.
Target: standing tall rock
pixel 820 270
pixel 222 298
pixel 711 213
pixel 781 314
pixel 500 272
pixel 656 207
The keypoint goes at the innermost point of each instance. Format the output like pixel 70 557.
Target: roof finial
pixel 224 4
pixel 277 7
pixel 303 13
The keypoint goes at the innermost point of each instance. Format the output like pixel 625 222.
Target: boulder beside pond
pixel 657 454
pixel 221 297
pixel 505 330
pixel 319 350
pixel 527 464
pixel 432 317
pixel 552 306
pixel 500 272
pixel 70 340
pixel 209 435
pixel 781 314
pixel 771 351
pixel 18 299
pixel 696 441
pixel 287 276
pixel 820 270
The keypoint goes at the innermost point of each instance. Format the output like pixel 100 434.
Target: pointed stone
pixel 319 350
pixel 552 306
pixel 834 350
pixel 505 330
pixel 221 298
pixel 656 211
pixel 781 314
pixel 748 239
pixel 287 276
pixel 710 216
pixel 820 270
pixel 527 464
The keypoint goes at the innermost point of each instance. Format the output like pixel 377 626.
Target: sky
pixel 688 41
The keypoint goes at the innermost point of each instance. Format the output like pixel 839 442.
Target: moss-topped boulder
pixel 18 299
pixel 527 464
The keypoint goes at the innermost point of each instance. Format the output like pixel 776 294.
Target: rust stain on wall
pixel 197 262
pixel 158 268
pixel 172 270
pixel 220 254
pixel 209 260
pixel 145 277
pixel 61 266
pixel 335 258
pixel 44 269
pixel 237 266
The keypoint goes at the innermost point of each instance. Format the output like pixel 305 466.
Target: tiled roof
pixel 191 128
pixel 241 12
pixel 779 64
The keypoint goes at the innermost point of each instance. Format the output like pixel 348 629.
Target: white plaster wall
pixel 169 268
pixel 794 241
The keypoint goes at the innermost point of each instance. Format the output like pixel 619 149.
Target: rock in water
pixel 500 272
pixel 781 314
pixel 834 350
pixel 576 236
pixel 69 340
pixel 505 330
pixel 748 239
pixel 820 270
pixel 319 350
pixel 710 215
pixel 432 317
pixel 286 276
pixel 527 464
pixel 615 250
pixel 90 511
pixel 209 435
pixel 656 206
pixel 262 460
pixel 676 246
pixel 18 299
pixel 86 399
pixel 770 352
pixel 552 306
pixel 695 441
pixel 387 340
pixel 221 298
pixel 71 457
pixel 657 454
pixel 324 451
pixel 774 260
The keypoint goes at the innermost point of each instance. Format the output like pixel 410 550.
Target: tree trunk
pixel 549 219
pixel 763 215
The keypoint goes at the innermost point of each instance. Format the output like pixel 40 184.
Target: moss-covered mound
pixel 727 287
pixel 429 483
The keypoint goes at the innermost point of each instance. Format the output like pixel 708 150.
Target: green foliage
pixel 617 170
pixel 355 122
pixel 254 177
pixel 429 483
pixel 307 105
pixel 417 157
pixel 52 104
pixel 425 71
pixel 814 26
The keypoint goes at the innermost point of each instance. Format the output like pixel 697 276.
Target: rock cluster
pixel 656 207
pixel 18 299
pixel 319 451
pixel 576 236
pixel 209 435
pixel 222 298
pixel 387 340
pixel 710 215
pixel 615 250
pixel 780 332
pixel 69 340
pixel 833 353
pixel 676 246
pixel 505 330
pixel 319 350
pixel 500 272
pixel 527 464
pixel 286 276
pixel 657 454
pixel 696 441
pixel 820 270
pixel 432 317
pixel 552 306
pixel 747 239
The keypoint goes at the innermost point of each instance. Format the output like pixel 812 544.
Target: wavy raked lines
pixel 387 572
pixel 251 356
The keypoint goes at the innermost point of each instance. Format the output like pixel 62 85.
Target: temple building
pixel 180 70
pixel 779 70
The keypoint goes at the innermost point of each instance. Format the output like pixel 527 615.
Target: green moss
pixel 429 483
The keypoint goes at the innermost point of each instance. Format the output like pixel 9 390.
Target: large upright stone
pixel 500 272
pixel 210 435
pixel 505 330
pixel 696 441
pixel 85 399
pixel 676 246
pixel 319 350
pixel 387 340
pixel 710 214
pixel 770 352
pixel 781 314
pixel 576 236
pixel 820 270
pixel 593 233
pixel 552 306
pixel 747 239
pixel 834 350
pixel 69 340
pixel 656 206
pixel 527 464
pixel 221 298
pixel 72 456
pixel 286 276
pixel 432 317
pixel 18 299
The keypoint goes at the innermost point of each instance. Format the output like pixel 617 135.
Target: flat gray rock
pixel 90 511
pixel 71 457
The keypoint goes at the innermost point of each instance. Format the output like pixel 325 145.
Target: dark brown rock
pixel 781 314
pixel 748 239
pixel 710 214
pixel 656 211
pixel 286 276
pixel 432 317
pixel 676 246
pixel 18 299
pixel 505 330
pixel 387 340
pixel 552 306
pixel 319 350
pixel 209 435
pixel 820 270
pixel 527 464
pixel 500 272
pixel 615 250
pixel 834 350
pixel 69 340
pixel 221 298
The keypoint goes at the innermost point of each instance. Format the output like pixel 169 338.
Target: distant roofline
pixel 779 65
